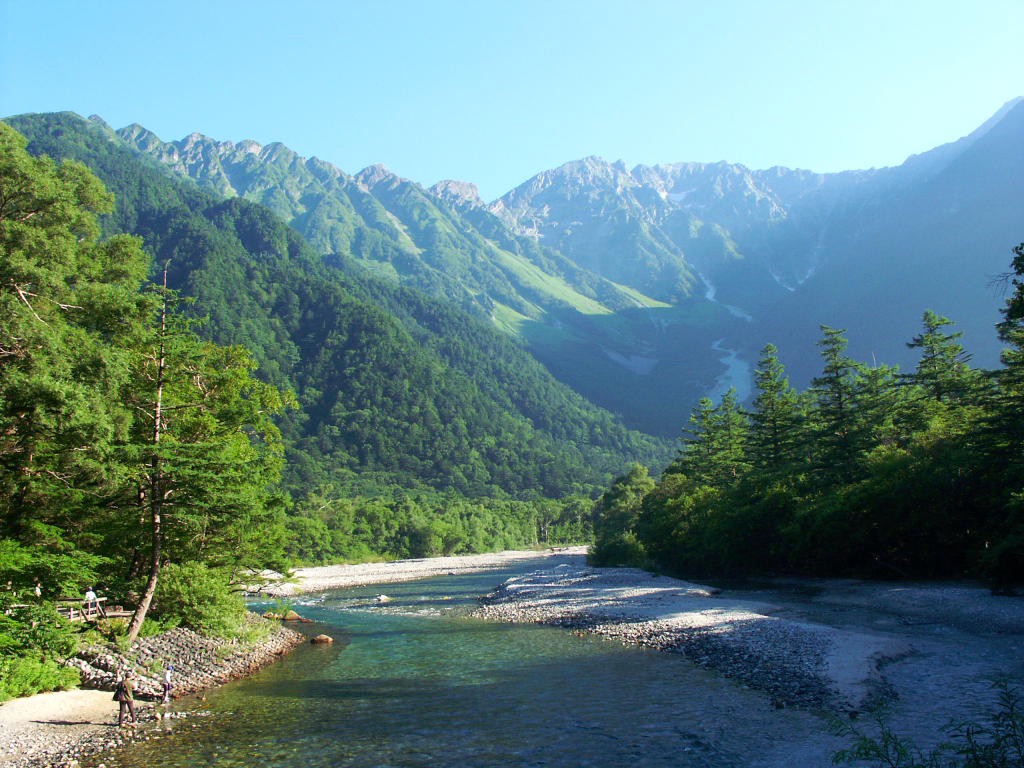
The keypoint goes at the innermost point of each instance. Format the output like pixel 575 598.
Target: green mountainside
pixel 601 334
pixel 391 383
pixel 645 289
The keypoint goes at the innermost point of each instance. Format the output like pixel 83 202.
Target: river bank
pixel 928 653
pixel 322 578
pixel 55 729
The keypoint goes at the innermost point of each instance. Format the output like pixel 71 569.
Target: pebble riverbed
pixel 786 660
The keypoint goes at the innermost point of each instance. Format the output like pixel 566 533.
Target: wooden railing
pixel 74 609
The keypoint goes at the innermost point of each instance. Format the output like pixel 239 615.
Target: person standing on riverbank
pixel 124 695
pixel 167 683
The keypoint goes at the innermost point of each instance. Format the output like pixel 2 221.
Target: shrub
pixel 997 742
pixel 199 598
pixel 619 549
pixel 24 676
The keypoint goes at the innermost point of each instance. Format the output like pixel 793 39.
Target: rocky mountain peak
pixel 461 194
pixel 376 175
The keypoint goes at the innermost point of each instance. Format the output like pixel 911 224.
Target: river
pixel 416 682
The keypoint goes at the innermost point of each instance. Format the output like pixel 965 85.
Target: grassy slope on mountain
pixel 436 398
pixel 579 324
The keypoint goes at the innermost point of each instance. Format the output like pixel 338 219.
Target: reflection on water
pixel 414 682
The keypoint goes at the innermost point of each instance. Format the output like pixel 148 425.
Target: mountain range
pixel 644 289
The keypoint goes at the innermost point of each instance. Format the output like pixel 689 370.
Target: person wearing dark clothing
pixel 124 695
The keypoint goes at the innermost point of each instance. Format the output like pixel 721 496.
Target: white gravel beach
pixel 321 578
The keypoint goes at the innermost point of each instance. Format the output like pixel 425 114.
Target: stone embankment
pixel 199 662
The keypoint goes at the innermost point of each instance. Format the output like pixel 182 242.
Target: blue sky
pixel 492 91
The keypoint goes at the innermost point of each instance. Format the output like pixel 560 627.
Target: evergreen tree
pixel 107 417
pixel 1003 441
pixel 205 455
pixel 65 301
pixel 943 371
pixel 714 451
pixel 777 420
pixel 837 441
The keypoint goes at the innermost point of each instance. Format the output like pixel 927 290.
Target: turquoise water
pixel 415 682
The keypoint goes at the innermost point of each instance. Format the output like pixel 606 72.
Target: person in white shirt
pixel 167 683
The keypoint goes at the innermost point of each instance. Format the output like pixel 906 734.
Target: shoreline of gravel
pixel 58 728
pixel 928 652
pixel 325 577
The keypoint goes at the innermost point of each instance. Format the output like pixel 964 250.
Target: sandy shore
pixel 28 725
pixel 35 729
pixel 56 728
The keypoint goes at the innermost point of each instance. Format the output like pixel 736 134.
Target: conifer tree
pixel 205 454
pixel 776 421
pixel 943 371
pixel 835 391
pixel 66 299
pixel 714 451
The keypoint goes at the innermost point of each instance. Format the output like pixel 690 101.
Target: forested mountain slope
pixel 632 285
pixel 391 383
pixel 601 334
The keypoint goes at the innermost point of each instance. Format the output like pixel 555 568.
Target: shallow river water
pixel 416 682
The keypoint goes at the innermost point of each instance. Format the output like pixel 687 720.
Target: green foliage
pixel 33 641
pixel 113 412
pixel 25 676
pixel 615 515
pixel 328 527
pixel 777 418
pixel 870 473
pixel 714 453
pixel 200 598
pixel 618 549
pixel 995 742
pixel 390 383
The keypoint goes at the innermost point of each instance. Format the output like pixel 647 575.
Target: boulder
pixel 322 640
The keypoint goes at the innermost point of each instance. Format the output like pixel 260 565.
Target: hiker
pixel 124 695
pixel 167 683
pixel 90 600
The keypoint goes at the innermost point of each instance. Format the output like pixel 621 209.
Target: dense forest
pixel 868 472
pixel 395 389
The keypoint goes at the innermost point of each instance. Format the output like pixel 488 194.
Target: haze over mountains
pixel 645 288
